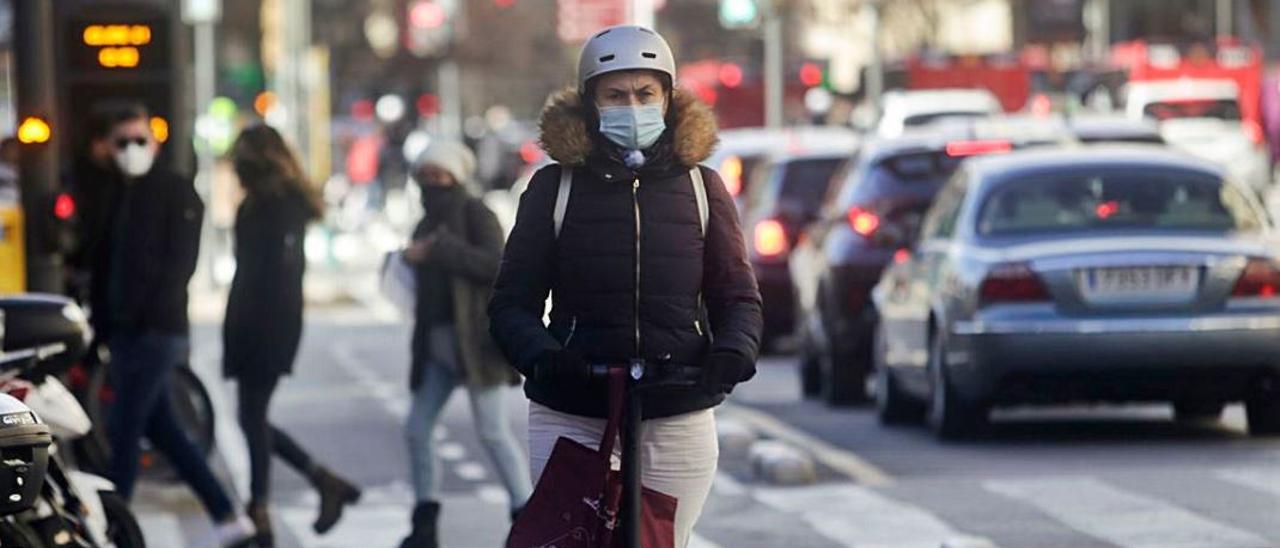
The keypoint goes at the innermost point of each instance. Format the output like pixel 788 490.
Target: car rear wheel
pixel 1191 412
pixel 810 376
pixel 1263 413
pixel 949 416
pixel 893 405
pixel 845 382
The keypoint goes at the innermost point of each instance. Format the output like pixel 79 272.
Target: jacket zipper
pixel 573 327
pixel 635 199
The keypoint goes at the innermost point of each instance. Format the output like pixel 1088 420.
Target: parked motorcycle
pixel 40 338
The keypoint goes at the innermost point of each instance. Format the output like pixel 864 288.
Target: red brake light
pixel 1261 278
pixel 1012 282
pixel 863 221
pixel 64 206
pixel 771 238
pixel 1254 131
pixel 974 148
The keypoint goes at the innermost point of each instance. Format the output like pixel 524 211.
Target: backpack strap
pixel 562 196
pixel 566 186
pixel 700 194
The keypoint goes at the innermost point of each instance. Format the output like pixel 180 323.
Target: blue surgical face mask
pixel 632 127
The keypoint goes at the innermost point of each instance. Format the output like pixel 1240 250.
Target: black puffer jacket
pixel 591 269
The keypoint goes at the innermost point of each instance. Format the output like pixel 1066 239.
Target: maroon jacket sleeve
pixel 728 281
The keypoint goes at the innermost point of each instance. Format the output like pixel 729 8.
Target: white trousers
pixel 678 454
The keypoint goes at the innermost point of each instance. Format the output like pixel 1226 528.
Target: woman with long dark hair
pixel 264 316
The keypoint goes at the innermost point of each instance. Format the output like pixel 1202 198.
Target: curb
pixel 779 463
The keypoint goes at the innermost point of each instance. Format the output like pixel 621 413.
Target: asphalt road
pixel 1058 478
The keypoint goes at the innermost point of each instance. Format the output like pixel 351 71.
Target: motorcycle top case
pixel 36 320
pixel 24 455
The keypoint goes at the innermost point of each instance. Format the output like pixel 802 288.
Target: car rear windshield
pixel 933 117
pixel 805 182
pixel 1225 109
pixel 1125 200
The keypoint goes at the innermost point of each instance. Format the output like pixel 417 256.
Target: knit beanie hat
pixel 451 156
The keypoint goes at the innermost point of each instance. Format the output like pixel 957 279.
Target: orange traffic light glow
pixel 34 130
pixel 124 57
pixel 160 128
pixel 117 35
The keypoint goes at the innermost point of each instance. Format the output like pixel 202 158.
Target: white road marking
pixel 451 451
pixel 853 515
pixel 230 444
pixel 392 398
pixel 161 528
pixel 1266 480
pixel 470 471
pixel 1120 517
pixel 841 460
pixel 494 494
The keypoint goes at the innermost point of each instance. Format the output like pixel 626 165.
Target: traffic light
pixel 429 30
pixel 737 14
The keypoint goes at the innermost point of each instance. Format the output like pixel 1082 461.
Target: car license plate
pixel 1156 284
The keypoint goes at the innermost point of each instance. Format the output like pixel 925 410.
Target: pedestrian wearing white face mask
pixel 642 252
pixel 153 241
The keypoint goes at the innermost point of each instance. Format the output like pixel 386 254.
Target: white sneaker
pixel 232 533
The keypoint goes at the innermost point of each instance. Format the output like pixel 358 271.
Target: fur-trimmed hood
pixel 564 135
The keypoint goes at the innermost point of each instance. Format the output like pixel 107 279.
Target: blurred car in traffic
pixel 786 193
pixel 872 209
pixel 903 110
pixel 1203 118
pixel 741 150
pixel 1108 274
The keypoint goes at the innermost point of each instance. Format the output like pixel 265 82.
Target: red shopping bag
pixel 575 504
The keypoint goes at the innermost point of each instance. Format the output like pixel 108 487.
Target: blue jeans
pixel 487 409
pixel 140 368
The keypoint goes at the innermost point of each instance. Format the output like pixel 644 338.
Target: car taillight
pixel 771 238
pixel 1261 278
pixel 1012 282
pixel 863 221
pixel 731 174
pixel 1254 130
pixel 958 149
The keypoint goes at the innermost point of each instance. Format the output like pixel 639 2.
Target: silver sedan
pixel 1083 275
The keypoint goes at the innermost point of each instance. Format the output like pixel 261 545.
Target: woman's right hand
pixel 420 249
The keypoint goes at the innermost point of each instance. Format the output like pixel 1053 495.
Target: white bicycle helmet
pixel 625 47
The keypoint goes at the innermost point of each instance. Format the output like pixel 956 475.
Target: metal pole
pixel 33 32
pixel 631 491
pixel 773 76
pixel 1098 25
pixel 1225 17
pixel 642 13
pixel 450 99
pixel 205 75
pixel 875 69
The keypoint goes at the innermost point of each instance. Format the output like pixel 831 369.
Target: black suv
pixel 785 195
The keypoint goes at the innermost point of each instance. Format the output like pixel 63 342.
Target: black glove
pixel 722 370
pixel 560 364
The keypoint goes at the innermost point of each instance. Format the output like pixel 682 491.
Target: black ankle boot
pixel 261 518
pixel 425 516
pixel 335 494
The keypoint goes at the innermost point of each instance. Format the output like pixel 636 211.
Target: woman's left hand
pixel 721 371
